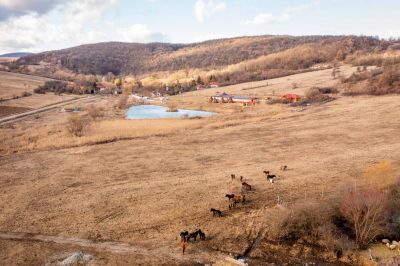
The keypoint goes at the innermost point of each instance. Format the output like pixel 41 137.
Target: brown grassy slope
pixel 145 191
pixel 125 58
pixel 14 84
pixel 384 80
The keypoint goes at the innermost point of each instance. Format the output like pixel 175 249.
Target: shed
pixel 291 97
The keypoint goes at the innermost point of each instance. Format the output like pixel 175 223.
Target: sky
pixel 42 25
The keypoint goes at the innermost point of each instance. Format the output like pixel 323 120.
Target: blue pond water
pixel 155 111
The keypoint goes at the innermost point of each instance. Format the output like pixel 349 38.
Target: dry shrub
pixel 122 102
pixel 315 95
pixel 366 210
pixel 381 174
pixel 375 82
pixel 328 90
pixel 333 239
pixel 278 100
pixel 302 220
pixel 76 125
pixel 172 108
pixel 95 112
pixel 26 94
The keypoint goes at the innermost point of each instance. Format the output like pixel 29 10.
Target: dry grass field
pixel 12 87
pixel 298 84
pixel 15 84
pixel 124 190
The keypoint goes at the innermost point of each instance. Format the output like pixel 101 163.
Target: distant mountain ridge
pixel 16 55
pixel 185 67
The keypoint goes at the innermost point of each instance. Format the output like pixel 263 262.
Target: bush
pixel 328 90
pixel 26 94
pixel 122 102
pixel 172 108
pixel 316 94
pixel 366 211
pixel 95 112
pixel 303 220
pixel 76 125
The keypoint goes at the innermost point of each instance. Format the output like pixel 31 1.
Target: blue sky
pixel 39 25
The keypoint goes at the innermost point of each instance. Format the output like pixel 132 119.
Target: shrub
pixel 303 220
pixel 122 102
pixel 95 112
pixel 366 211
pixel 26 94
pixel 52 86
pixel 76 125
pixel 328 90
pixel 316 94
pixel 172 108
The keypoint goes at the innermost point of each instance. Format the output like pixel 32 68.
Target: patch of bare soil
pixel 10 110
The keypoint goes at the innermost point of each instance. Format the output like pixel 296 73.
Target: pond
pixel 155 112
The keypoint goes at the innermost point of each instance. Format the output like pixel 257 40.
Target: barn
pixel 292 97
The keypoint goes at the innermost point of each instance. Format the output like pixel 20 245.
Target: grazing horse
pixel 202 235
pixel 246 186
pixel 236 199
pixel 271 178
pixel 233 177
pixel 230 196
pixel 284 167
pixel 184 235
pixel 192 235
pixel 239 198
pixel 216 212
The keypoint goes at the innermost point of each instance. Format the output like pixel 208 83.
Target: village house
pixel 214 85
pixel 291 97
pixel 227 98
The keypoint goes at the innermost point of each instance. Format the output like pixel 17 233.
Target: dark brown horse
pixel 216 212
pixel 192 235
pixel 246 186
pixel 202 235
pixel 184 235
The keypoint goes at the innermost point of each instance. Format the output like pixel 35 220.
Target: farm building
pixel 243 100
pixel 291 97
pixel 227 98
pixel 214 85
pixel 201 87
pixel 222 98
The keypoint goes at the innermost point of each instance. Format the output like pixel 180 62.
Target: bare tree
pixel 367 212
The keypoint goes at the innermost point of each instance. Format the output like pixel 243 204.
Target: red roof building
pixel 291 97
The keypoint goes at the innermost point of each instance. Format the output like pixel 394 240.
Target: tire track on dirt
pixel 110 246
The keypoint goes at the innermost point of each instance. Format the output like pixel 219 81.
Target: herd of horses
pixel 233 199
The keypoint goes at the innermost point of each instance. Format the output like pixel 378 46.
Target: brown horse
pixel 216 212
pixel 246 186
pixel 202 235
pixel 192 235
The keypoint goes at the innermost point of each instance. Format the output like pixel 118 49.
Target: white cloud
pixel 204 9
pixel 284 16
pixel 77 22
pixel 138 33
pixel 267 18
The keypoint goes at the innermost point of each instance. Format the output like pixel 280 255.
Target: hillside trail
pixel 16 117
pixel 100 246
